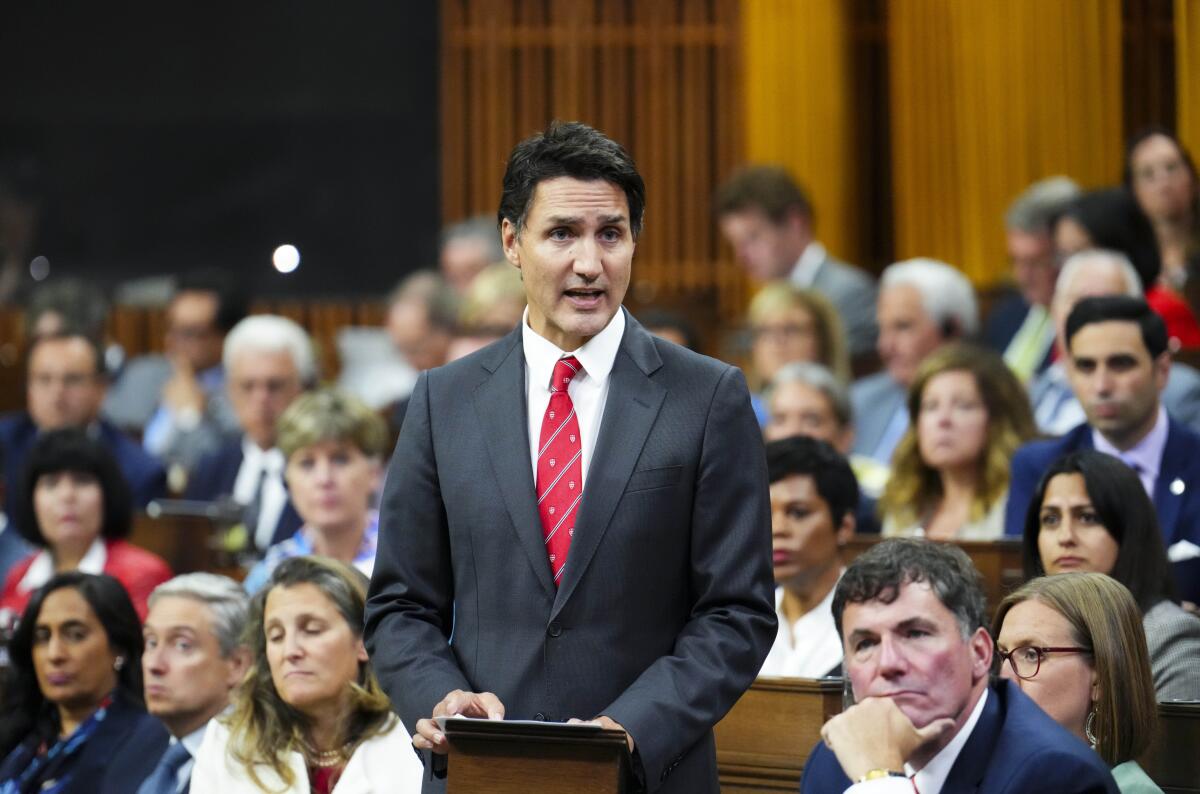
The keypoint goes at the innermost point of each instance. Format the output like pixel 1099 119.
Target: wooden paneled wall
pixel 1187 73
pixel 662 78
pixel 988 97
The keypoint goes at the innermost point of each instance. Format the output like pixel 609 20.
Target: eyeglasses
pixel 1026 660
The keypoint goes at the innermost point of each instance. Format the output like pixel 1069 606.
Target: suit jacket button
pixel 555 630
pixel 540 717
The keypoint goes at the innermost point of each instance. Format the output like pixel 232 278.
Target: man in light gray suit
pixel 770 223
pixel 500 591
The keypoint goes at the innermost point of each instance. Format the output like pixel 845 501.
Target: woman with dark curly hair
pixel 310 715
pixel 75 505
pixel 74 694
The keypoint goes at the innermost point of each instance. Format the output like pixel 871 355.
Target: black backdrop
pixel 174 135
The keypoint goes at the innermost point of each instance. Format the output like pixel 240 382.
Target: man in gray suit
pixel 500 591
pixel 770 223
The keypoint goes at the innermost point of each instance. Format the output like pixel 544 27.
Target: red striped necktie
pixel 560 467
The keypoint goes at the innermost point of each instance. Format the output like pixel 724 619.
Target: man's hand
pixel 458 703
pixel 876 734
pixel 609 724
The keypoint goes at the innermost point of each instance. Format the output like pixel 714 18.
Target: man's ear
pixel 982 649
pixel 508 237
pixel 1162 369
pixel 239 663
pixel 845 529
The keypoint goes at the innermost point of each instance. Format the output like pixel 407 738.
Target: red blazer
pixel 139 570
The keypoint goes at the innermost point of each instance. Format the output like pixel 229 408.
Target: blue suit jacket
pixel 1015 747
pixel 1003 322
pixel 1178 513
pixel 875 399
pixel 135 759
pixel 146 476
pixel 126 726
pixel 215 475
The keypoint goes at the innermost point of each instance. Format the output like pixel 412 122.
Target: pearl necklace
pixel 328 758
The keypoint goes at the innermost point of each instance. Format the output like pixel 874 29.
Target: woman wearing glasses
pixel 1091 513
pixel 1074 644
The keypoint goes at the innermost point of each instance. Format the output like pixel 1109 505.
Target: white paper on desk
pixel 1183 550
pixel 582 727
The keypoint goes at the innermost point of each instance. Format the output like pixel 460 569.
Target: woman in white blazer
pixel 310 715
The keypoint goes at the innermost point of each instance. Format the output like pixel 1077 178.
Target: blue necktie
pixel 165 777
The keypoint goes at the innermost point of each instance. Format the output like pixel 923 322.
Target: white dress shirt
pixel 804 272
pixel 933 775
pixel 191 743
pixel 808 648
pixel 274 497
pixel 588 390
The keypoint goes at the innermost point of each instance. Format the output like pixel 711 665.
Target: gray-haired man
pixel 193 659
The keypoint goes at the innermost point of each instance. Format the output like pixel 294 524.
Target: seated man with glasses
pixel 917 655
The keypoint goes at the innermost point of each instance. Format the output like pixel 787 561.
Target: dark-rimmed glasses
pixel 1026 660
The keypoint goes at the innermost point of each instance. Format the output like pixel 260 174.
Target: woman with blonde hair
pixel 968 414
pixel 789 324
pixel 310 715
pixel 333 445
pixel 1074 644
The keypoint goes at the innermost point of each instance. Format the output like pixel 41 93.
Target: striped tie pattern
pixel 560 467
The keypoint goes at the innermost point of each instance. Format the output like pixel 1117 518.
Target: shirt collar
pixel 271 459
pixel 932 776
pixel 41 570
pixel 804 273
pixel 597 354
pixel 1145 455
pixel 193 740
pixel 366 548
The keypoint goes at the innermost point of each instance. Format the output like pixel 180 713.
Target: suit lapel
pixel 969 768
pixel 500 403
pixel 634 400
pixel 1167 502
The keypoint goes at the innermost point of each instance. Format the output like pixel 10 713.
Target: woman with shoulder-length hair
pixel 1074 644
pixel 74 505
pixel 1091 513
pixel 790 324
pixel 310 715
pixel 968 414
pixel 74 693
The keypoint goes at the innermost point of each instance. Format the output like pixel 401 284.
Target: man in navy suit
pixel 193 658
pixel 65 388
pixel 1118 366
pixel 911 616
pixel 592 543
pixel 268 363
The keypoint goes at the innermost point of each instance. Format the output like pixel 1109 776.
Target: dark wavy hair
pixel 1124 510
pixel 263 727
pixel 72 450
pixel 26 711
pixel 568 148
pixel 880 572
pixel 1114 220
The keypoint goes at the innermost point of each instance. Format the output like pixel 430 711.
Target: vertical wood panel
pixel 658 77
pixel 1187 73
pixel 986 98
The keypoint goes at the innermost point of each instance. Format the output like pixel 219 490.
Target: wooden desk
pixel 1173 760
pixel 187 543
pixel 764 740
pixel 998 561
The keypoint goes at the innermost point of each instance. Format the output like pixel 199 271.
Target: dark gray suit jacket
pixel 665 610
